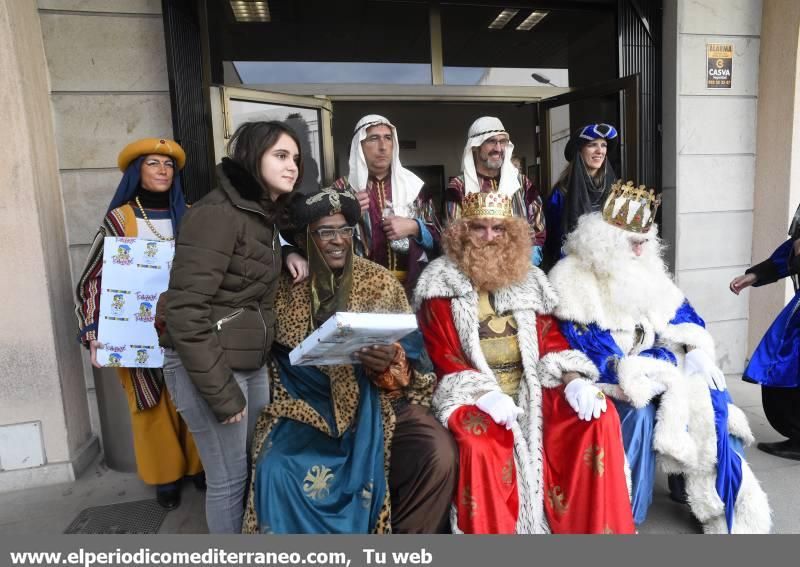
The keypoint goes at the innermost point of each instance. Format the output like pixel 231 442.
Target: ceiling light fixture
pixel 534 18
pixel 250 10
pixel 502 19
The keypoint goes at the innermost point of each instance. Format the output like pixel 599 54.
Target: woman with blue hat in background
pixel 581 188
pixel 148 204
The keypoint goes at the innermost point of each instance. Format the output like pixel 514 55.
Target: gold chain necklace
pixel 150 225
pixel 380 190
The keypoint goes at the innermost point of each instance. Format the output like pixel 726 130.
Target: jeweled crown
pixel 486 205
pixel 630 207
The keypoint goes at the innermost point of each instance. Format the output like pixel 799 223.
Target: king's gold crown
pixel 486 205
pixel 630 207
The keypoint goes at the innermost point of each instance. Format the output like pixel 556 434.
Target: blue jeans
pixel 223 449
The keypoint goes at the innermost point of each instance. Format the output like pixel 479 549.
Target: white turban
pixel 481 130
pixel 405 185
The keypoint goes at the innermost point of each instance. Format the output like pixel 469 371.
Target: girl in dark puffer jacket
pixel 219 307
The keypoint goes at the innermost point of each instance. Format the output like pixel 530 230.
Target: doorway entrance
pixel 432 124
pixel 419 51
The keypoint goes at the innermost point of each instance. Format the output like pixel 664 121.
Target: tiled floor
pixel 50 510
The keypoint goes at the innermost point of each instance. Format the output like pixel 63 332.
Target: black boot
pixel 199 480
pixel 789 449
pixel 677 488
pixel 169 495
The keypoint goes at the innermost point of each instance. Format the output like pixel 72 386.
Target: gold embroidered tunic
pixel 498 337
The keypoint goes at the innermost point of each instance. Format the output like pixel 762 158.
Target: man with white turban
pixel 487 168
pixel 398 229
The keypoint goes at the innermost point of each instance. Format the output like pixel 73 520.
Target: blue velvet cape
pixel 776 360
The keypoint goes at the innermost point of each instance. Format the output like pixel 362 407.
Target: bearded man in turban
pixel 486 167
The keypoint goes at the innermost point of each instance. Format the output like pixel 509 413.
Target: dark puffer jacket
pixel 219 305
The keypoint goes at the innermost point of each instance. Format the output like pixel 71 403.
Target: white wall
pixel 778 163
pixel 45 432
pixel 709 161
pixel 109 86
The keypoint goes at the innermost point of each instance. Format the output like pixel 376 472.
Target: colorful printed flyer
pixel 135 273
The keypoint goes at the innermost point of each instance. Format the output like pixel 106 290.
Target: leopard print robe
pixel 374 290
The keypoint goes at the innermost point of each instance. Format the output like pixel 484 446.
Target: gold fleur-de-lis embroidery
pixel 593 458
pixel 557 500
pixel 317 482
pixel 468 501
pixel 476 423
pixel 607 530
pixel 508 471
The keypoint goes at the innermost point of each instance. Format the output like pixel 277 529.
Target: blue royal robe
pixel 776 360
pixel 312 481
pixel 638 424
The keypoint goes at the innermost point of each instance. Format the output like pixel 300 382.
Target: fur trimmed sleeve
pixel 460 389
pixel 554 365
pixel 556 355
pixel 687 328
pixel 459 383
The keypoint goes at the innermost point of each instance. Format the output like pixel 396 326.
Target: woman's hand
pixel 740 282
pixel 297 266
pixel 93 346
pixel 236 418
pixel 377 357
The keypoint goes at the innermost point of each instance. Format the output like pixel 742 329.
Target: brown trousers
pixel 423 472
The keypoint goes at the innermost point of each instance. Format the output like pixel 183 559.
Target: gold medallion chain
pixel 150 224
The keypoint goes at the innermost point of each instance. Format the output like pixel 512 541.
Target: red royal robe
pixel 583 462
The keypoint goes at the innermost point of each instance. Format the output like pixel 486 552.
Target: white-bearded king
pixel 540 450
pixel 656 360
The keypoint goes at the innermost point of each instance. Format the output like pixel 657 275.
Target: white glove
pixel 500 407
pixel 698 362
pixel 585 398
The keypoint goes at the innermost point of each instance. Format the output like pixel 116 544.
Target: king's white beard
pixel 633 285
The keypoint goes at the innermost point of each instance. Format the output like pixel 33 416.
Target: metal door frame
pixel 317 102
pixel 629 91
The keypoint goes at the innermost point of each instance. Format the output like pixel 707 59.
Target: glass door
pixel 309 116
pixel 615 102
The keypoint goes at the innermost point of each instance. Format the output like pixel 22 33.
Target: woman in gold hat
pixel 148 204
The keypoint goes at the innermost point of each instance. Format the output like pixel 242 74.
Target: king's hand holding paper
pixel 376 358
pixel 342 337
